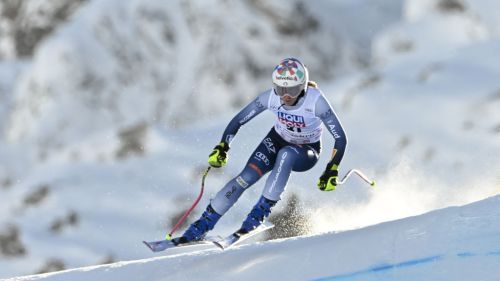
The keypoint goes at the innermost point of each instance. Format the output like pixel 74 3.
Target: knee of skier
pixel 250 175
pixel 305 160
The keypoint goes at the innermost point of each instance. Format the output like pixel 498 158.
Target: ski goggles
pixel 288 91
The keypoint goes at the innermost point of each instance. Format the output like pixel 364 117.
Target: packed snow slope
pixel 455 243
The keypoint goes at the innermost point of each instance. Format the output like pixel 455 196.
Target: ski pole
pixel 360 174
pixel 186 214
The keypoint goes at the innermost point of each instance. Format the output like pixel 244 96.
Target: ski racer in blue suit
pixel 292 144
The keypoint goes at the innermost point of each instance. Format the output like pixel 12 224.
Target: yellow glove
pixel 328 180
pixel 218 157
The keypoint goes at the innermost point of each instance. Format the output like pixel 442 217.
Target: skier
pixel 293 144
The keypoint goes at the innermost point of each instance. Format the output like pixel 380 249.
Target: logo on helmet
pixel 291 68
pixel 286 78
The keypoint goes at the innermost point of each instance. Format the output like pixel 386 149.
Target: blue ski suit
pixel 293 144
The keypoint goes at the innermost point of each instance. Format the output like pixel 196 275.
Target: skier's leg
pixel 296 158
pixel 231 192
pixel 258 164
pixel 221 203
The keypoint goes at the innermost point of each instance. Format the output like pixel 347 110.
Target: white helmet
pixel 290 77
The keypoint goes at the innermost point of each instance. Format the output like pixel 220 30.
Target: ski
pixel 238 237
pixel 162 245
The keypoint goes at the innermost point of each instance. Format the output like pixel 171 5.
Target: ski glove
pixel 328 180
pixel 218 157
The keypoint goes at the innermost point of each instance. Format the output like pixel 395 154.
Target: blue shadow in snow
pixel 405 264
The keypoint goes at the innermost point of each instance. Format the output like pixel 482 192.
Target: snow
pixel 422 120
pixel 455 243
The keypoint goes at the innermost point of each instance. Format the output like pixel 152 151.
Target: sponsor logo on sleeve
pixel 248 117
pixel 334 131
